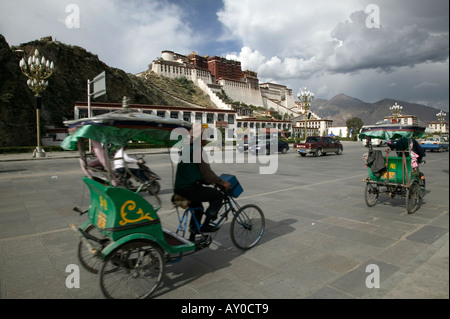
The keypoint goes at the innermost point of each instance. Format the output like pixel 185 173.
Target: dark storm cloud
pixel 384 47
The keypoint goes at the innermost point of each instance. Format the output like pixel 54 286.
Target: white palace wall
pixel 241 91
pixel 177 71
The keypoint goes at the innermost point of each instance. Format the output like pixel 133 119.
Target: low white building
pixel 314 126
pixel 437 127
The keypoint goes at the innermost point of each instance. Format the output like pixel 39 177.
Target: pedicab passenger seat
pixel 119 212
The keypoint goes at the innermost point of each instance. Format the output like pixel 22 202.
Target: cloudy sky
pixel 369 50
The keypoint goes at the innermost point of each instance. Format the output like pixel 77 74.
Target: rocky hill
pixel 73 67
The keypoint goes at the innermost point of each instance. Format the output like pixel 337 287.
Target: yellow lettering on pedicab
pixel 103 203
pixel 391 175
pixel 101 220
pixel 128 207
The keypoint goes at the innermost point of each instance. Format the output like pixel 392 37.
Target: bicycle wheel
pixel 132 271
pixel 247 227
pixel 412 198
pixel 371 194
pixel 89 260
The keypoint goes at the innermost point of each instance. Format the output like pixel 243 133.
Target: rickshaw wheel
pixel 412 198
pixel 89 260
pixel 132 271
pixel 371 194
pixel 247 227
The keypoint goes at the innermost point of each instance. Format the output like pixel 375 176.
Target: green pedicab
pixel 123 240
pixel 123 236
pixel 395 176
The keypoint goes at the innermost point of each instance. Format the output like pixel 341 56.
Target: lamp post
pixel 396 111
pixel 305 97
pixel 38 70
pixel 441 117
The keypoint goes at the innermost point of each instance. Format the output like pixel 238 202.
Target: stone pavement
pixel 307 252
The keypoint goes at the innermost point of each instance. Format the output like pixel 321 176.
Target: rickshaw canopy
pixel 392 131
pixel 122 126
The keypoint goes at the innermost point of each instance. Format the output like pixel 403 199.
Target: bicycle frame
pixel 229 203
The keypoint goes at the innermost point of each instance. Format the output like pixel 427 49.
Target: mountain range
pixel 342 108
pixel 75 65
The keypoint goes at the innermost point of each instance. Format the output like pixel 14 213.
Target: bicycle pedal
pixel 204 242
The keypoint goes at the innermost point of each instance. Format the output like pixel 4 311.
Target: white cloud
pixel 127 35
pixel 426 85
pixel 251 60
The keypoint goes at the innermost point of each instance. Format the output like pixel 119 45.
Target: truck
pixel 319 145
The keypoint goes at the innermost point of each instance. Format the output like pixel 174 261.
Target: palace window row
pixel 280 126
pixel 208 118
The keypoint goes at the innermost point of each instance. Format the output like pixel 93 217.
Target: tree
pixel 354 125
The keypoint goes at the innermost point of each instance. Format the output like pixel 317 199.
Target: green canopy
pixel 120 127
pixel 392 131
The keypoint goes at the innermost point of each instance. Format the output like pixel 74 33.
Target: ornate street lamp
pixel 38 70
pixel 396 111
pixel 441 117
pixel 305 97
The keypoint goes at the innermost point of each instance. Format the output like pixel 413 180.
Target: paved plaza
pixel 321 239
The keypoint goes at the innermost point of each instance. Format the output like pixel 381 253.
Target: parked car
pixel 435 143
pixel 319 145
pixel 266 145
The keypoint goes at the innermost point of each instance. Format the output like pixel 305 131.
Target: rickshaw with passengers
pixel 122 239
pixel 395 173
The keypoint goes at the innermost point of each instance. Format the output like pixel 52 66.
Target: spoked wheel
pixel 412 198
pixel 247 227
pixel 371 194
pixel 90 259
pixel 132 271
